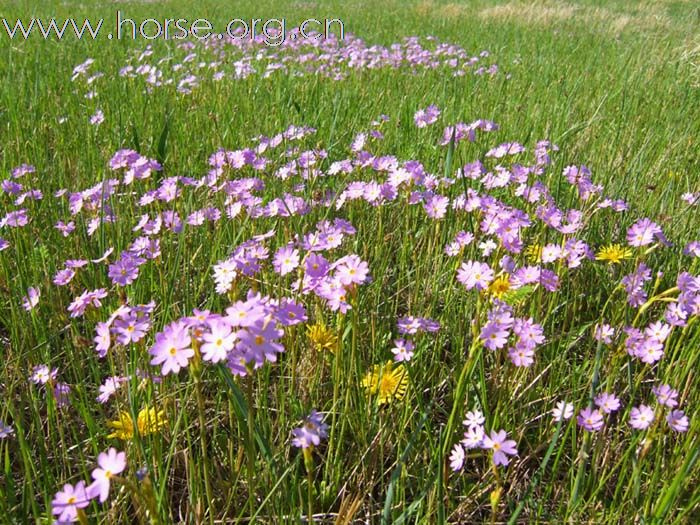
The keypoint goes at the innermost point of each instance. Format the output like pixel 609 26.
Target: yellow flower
pixel 322 338
pixel 388 381
pixel 613 253
pixel 500 286
pixel 534 253
pixel 148 422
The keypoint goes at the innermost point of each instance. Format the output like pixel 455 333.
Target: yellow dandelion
pixel 148 422
pixel 613 253
pixel 322 338
pixel 499 286
pixel 389 382
pixel 534 253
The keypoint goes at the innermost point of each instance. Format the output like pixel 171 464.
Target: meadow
pixel 443 270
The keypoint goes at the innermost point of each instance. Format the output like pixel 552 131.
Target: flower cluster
pixel 71 499
pixel 476 437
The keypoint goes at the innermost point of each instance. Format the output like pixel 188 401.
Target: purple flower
pixel 634 285
pixel 286 259
pixel 102 339
pixel 473 437
pixel 521 355
pixel 79 305
pixel 402 350
pixel 677 420
pixel 290 313
pixel 643 232
pixel 316 266
pixel 474 274
pixel 604 333
pixel 22 170
pixel 351 270
pixel 427 116
pixel 457 458
pixel 494 335
pixel 641 417
pixel 218 341
pixel 172 348
pixel 509 148
pixel 15 219
pixel 124 271
pixel 311 432
pixel 60 394
pixel 68 501
pixel 42 374
pixel 110 386
pixel 589 419
pixel 110 464
pixel 665 395
pixel 97 118
pixel 131 327
pixel 259 343
pixel 30 301
pixel 501 447
pixel 692 248
pixel 608 403
pixel 6 431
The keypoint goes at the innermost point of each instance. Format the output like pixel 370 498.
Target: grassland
pixel 615 85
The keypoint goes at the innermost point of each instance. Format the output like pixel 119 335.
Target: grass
pixel 613 84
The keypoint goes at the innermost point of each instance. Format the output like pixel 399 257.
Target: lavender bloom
pixel 641 417
pixel 643 232
pixel 591 420
pixel 677 420
pixel 665 395
pixel 474 274
pixel 634 285
pixel 6 431
pixel 110 464
pixel 402 350
pixel 42 374
pixel 172 348
pixel 311 432
pixel 427 116
pixel 67 502
pixel 457 458
pixel 30 301
pixel 501 447
pixel 608 403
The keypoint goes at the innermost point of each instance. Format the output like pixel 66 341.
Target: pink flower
pixel 563 411
pixel 110 463
pixel 286 260
pixel 66 502
pixel 172 348
pixel 30 301
pixel 677 420
pixel 608 403
pixel 457 458
pixel 473 274
pixel 641 417
pixel 521 355
pixel 589 419
pixel 666 395
pixel 403 350
pixel 502 447
pixel 218 341
pixel 642 233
